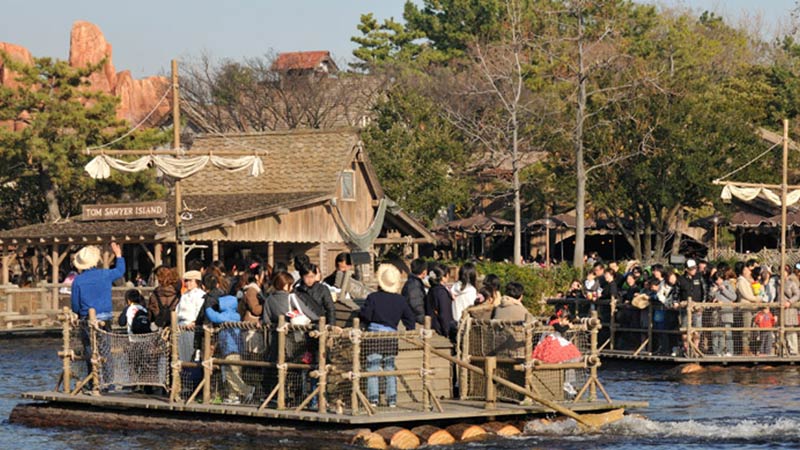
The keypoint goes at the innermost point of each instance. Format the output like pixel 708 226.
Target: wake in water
pixel 783 429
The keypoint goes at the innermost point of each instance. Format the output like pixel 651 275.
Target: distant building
pixel 302 63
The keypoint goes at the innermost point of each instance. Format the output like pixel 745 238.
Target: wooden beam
pixel 149 254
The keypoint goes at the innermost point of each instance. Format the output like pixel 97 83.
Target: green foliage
pixel 539 283
pixel 41 165
pixel 416 153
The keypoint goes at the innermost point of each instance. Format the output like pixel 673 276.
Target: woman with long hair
pixel 439 302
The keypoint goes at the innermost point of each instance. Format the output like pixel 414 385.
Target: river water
pixel 735 408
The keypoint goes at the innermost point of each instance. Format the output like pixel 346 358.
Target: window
pixel 348 185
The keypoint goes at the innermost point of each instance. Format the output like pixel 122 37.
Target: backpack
pixel 164 312
pixel 140 323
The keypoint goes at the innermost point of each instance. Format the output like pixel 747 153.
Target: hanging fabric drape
pixel 100 166
pixel 749 193
pixel 363 241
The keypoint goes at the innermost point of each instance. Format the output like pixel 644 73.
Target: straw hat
pixel 640 301
pixel 193 275
pixel 389 278
pixel 87 257
pixel 631 264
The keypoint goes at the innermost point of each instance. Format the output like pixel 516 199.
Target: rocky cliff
pixel 88 46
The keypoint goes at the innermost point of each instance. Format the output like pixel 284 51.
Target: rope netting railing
pixel 699 330
pixel 320 367
pixel 516 348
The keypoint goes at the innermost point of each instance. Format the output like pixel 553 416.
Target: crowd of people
pixel 658 295
pixel 298 292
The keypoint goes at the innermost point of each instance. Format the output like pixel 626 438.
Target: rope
pixel 352 376
pixel 208 364
pixel 176 365
pixel 136 127
pixel 355 336
pixel 748 163
pixel 425 334
pixel 426 372
pixel 283 366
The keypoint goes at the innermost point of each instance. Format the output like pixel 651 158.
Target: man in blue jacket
pixel 92 289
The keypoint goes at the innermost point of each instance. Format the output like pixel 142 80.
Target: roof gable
pixel 304 61
pixel 295 162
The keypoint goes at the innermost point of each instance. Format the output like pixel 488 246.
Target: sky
pixel 147 34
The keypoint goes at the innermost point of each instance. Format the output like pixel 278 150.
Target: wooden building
pixel 318 190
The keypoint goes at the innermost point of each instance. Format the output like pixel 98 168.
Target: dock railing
pixel 696 330
pixel 324 368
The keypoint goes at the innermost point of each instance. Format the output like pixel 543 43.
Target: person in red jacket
pixel 765 319
pixel 553 348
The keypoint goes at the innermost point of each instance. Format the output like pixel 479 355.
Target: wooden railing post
pixel 782 331
pixel 208 367
pixel 529 353
pixel 489 367
pixel 689 331
pixel 282 330
pixel 612 323
pixel 175 360
pixel 95 353
pixel 68 354
pixel 650 328
pixel 463 374
pixel 356 366
pixel 595 328
pixel 426 364
pixel 322 367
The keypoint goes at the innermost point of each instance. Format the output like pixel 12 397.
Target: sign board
pixel 125 211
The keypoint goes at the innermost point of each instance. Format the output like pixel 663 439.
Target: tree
pixel 417 154
pixel 58 116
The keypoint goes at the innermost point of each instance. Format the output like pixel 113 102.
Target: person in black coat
pixel 314 294
pixel 414 289
pixel 439 303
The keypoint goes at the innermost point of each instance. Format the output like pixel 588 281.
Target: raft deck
pixel 709 359
pixel 454 410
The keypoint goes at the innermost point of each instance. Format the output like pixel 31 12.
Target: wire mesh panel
pixel 189 354
pixel 133 360
pixel 80 364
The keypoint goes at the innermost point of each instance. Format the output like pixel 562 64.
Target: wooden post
pixel 176 145
pixel 174 358
pixel 271 254
pixel 356 366
pixel 158 251
pixel 689 346
pixel 650 328
pixel 54 265
pixel 208 367
pixel 595 354
pixel 215 250
pixel 322 366
pixel 489 366
pixel 529 353
pixel 95 354
pixel 463 374
pixel 612 324
pixel 282 329
pixel 67 360
pixel 415 250
pixel 426 364
pixel 784 188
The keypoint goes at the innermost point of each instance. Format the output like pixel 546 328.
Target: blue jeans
pixel 377 362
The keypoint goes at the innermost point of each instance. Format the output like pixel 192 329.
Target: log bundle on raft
pixel 398 437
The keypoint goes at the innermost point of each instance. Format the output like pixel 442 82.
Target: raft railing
pixel 696 330
pixel 325 368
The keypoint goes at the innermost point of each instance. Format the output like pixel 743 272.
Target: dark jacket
pixel 414 292
pixel 439 305
pixel 691 287
pixel 277 305
pixel 318 299
pixel 163 298
pixel 387 309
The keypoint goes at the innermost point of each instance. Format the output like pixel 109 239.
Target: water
pixel 734 408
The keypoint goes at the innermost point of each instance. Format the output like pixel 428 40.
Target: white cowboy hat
pixel 641 301
pixel 389 278
pixel 87 257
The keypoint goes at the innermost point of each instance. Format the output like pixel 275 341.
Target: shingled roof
pixel 295 162
pixel 310 60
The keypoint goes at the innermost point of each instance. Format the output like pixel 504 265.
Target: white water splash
pixel 634 426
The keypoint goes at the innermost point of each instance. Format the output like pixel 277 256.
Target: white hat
pixel 690 263
pixel 193 275
pixel 389 278
pixel 87 257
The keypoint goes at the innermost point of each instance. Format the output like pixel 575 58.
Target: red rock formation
pixel 88 46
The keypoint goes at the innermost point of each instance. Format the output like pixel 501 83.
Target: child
pixel 765 319
pixel 228 346
pixel 553 348
pixel 134 316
